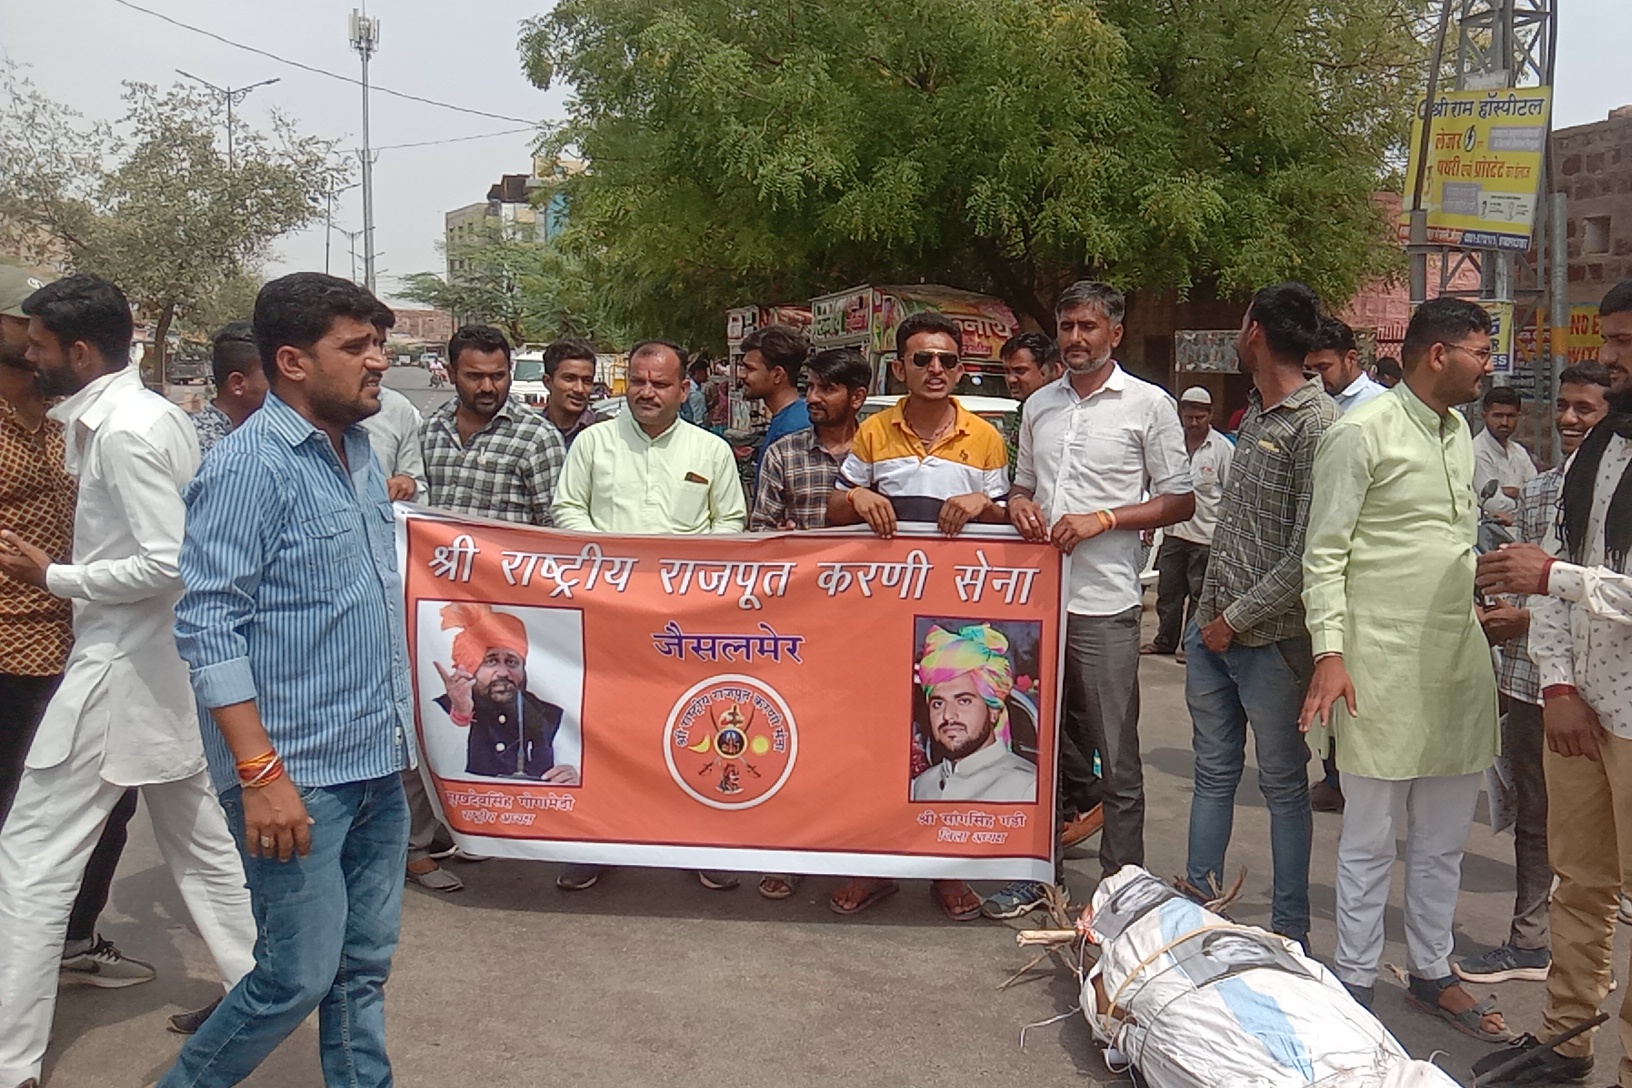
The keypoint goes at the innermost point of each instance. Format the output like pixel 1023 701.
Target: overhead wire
pixel 457 139
pixel 376 88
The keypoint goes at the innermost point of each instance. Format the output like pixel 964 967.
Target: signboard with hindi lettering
pixel 808 703
pixel 1484 167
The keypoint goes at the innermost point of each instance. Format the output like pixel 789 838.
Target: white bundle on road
pixel 1196 1001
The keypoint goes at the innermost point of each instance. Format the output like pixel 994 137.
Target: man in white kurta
pixel 1401 663
pixel 124 714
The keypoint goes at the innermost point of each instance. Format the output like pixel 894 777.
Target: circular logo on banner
pixel 731 742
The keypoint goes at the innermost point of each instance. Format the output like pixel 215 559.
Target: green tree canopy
pixel 740 153
pixel 151 204
pixel 532 290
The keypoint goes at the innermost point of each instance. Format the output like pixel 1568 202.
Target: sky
pixel 79 51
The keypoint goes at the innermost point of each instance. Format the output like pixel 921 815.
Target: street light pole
pixel 328 223
pixel 365 38
pixel 232 96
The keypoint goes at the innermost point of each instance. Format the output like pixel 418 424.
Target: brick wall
pixel 1595 173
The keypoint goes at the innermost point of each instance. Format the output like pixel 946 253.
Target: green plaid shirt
pixel 1255 572
pixel 795 479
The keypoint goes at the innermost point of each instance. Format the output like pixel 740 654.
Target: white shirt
pixel 992 774
pixel 1112 448
pixel 619 479
pixel 1209 470
pixel 1581 631
pixel 393 431
pixel 132 451
pixel 1509 466
pixel 1359 391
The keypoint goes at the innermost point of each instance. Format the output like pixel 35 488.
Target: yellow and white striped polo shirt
pixel 887 457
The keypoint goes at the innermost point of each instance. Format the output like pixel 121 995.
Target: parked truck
pixel 866 318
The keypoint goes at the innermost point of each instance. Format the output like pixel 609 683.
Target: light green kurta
pixel 1388 582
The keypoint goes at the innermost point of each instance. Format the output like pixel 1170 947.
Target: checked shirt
pixel 1255 572
pixel 795 479
pixel 508 471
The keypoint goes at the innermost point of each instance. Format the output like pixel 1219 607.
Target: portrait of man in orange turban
pixel 967 680
pixel 511 731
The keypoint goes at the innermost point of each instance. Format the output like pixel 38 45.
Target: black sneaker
pixel 1545 1066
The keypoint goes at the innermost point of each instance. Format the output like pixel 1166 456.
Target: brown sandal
pixel 956 899
pixel 778 885
pixel 875 889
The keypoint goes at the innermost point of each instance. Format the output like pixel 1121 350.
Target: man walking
pixel 1581 640
pixel 123 715
pixel 1390 550
pixel 240 386
pixel 772 360
pixel 1181 561
pixel 36 628
pixel 1582 403
pixel 569 375
pixel 1249 659
pixel 649 471
pixel 1498 458
pixel 486 454
pixel 1092 447
pixel 270 633
pixel 799 471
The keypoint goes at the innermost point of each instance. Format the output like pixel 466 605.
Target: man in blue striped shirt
pixel 292 625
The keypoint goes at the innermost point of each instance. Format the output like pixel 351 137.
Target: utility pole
pixel 328 223
pixel 352 236
pixel 232 96
pixel 365 38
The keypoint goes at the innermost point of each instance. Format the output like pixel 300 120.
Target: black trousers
pixel 1181 567
pixel 22 704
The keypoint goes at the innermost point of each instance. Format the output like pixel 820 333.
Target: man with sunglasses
pixel 926 459
pixel 1402 669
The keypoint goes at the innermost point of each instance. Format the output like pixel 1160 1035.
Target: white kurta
pixel 125 682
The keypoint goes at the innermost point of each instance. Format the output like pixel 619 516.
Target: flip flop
pixel 778 885
pixel 939 890
pixel 876 892
pixel 1470 1021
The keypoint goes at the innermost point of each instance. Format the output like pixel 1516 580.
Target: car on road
pixel 527 380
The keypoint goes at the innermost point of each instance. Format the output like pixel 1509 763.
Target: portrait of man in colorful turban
pixel 511 730
pixel 967 679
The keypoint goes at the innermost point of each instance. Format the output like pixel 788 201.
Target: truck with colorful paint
pixel 866 318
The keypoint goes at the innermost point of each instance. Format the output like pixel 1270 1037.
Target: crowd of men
pixel 207 610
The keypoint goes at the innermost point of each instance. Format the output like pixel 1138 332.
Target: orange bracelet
pixel 850 497
pixel 272 773
pixel 1107 519
pixel 249 768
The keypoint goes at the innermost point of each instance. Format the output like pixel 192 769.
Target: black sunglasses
pixel 948 359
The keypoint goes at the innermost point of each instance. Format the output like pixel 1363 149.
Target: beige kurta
pixel 1388 582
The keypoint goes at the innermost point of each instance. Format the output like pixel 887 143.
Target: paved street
pixel 648 979
pixel 415 383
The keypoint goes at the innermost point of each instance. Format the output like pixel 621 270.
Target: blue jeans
pixel 327 924
pixel 1264 685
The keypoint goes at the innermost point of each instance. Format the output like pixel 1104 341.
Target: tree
pixel 162 215
pixel 761 154
pixel 533 290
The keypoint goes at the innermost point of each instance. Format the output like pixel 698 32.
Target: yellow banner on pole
pixel 1484 167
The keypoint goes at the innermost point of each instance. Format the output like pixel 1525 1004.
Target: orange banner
pixel 807 703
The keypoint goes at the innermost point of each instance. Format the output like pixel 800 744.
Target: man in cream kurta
pixel 1388 585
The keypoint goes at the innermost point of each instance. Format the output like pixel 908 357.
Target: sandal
pixel 778 885
pixel 874 890
pixel 1424 994
pixel 956 899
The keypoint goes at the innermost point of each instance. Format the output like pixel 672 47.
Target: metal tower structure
pixel 365 38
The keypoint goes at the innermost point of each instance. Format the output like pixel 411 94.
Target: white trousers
pixel 1438 817
pixel 49 835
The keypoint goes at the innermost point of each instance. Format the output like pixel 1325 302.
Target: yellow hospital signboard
pixel 1484 167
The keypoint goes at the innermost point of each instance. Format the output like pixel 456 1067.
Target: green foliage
pixel 764 153
pixel 532 290
pixel 152 204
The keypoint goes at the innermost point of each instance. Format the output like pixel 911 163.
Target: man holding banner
pixel 649 471
pixel 1091 447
